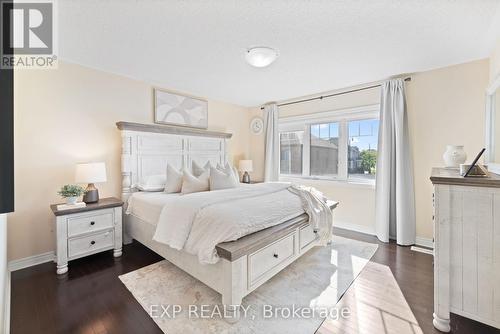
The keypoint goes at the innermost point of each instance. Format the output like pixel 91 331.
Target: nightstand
pixel 89 230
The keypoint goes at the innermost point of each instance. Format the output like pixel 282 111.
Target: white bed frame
pixel 248 262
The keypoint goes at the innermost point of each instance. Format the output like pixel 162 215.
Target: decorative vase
pixel 246 178
pixel 454 156
pixel 71 200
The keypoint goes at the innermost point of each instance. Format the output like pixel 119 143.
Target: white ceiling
pixel 198 46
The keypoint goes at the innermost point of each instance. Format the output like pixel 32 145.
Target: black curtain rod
pixel 331 95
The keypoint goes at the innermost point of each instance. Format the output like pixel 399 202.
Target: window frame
pixel 342 116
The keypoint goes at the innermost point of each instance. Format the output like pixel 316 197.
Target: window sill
pixel 352 183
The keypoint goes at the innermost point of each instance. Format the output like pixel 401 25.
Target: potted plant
pixel 71 192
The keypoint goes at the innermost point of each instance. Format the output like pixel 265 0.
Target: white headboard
pixel 146 150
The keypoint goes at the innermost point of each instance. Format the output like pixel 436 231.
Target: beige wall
pixel 445 106
pixel 495 62
pixel 68 115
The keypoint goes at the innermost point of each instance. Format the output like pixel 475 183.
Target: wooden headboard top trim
pixel 170 129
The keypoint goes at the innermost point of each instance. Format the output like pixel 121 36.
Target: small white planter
pixel 71 200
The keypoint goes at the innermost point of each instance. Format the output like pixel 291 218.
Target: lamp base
pixel 91 194
pixel 245 178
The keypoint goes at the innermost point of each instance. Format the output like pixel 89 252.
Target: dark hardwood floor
pixel 91 298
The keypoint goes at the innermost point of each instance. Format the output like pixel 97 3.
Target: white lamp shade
pixel 94 172
pixel 245 166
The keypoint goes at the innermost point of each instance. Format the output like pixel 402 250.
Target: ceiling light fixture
pixel 261 56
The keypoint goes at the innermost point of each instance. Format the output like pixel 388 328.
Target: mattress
pixel 197 222
pixel 147 206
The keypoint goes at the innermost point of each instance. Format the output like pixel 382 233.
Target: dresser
pixel 466 248
pixel 84 231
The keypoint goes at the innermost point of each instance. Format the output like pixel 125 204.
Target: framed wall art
pixel 174 109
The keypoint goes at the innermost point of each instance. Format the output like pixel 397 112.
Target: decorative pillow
pixel 174 180
pixel 152 183
pixel 193 184
pixel 236 174
pixel 222 180
pixel 228 169
pixel 197 170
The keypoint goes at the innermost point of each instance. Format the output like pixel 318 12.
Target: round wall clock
pixel 257 126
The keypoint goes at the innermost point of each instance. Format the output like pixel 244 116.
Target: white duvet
pixel 196 223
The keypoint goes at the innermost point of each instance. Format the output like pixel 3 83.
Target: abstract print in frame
pixel 175 109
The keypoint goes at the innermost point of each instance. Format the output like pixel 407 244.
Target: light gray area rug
pixel 314 282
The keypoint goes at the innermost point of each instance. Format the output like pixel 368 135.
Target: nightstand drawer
pixel 90 223
pixel 90 244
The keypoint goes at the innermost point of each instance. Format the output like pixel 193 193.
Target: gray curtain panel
pixel 272 154
pixel 395 198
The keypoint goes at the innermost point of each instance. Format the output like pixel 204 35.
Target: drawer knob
pixel 92 242
pixel 92 223
pixel 275 255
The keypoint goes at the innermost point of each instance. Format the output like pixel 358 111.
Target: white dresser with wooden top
pixel 466 248
pixel 89 230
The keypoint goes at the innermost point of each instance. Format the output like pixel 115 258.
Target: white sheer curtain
pixel 272 154
pixel 395 199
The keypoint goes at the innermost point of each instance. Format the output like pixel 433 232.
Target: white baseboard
pixel 354 227
pixel 422 250
pixel 31 261
pixel 419 241
pixel 424 242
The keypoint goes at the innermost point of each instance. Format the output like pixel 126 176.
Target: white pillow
pixel 152 183
pixel 198 170
pixel 228 169
pixel 222 180
pixel 174 180
pixel 236 174
pixel 193 184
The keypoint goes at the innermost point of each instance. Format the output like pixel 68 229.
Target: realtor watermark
pixel 28 34
pixel 261 312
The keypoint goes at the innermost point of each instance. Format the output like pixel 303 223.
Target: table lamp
pixel 245 166
pixel 91 173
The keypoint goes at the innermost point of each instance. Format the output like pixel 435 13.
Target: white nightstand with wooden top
pixel 89 230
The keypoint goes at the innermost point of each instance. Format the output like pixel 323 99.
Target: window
pixel 362 148
pixel 291 147
pixel 338 145
pixel 324 149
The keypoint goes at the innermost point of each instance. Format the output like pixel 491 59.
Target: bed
pixel 243 264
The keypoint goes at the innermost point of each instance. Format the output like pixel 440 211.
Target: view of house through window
pixel 291 147
pixel 340 147
pixel 362 148
pixel 324 149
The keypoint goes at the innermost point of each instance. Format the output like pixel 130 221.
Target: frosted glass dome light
pixel 261 56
